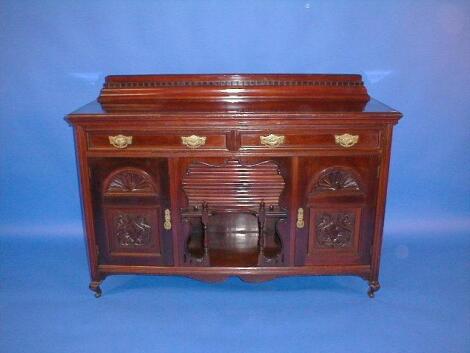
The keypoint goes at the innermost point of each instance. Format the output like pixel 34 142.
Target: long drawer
pixel 314 139
pixel 176 141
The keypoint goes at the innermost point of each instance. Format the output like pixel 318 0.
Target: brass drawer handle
pixel 272 140
pixel 120 141
pixel 193 141
pixel 346 140
pixel 167 223
pixel 300 218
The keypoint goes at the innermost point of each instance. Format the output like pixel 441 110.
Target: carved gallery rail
pixel 256 176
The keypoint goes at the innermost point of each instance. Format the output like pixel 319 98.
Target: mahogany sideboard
pixel 255 176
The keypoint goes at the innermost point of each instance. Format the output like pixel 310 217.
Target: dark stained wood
pixel 343 190
pixel 151 89
pixel 129 201
pixel 244 216
pixel 163 141
pixel 233 184
pixel 256 176
pixel 309 139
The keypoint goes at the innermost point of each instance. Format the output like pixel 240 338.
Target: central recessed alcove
pixel 233 213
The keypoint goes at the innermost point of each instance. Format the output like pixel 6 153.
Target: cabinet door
pixel 337 202
pixel 130 199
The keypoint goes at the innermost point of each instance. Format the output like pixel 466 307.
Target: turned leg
pixel 374 286
pixel 95 287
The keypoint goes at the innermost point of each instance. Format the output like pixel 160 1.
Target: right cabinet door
pixel 336 209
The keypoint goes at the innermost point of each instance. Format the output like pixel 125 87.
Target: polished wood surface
pixel 255 176
pixel 255 88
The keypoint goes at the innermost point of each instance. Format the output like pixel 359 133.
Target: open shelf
pixel 233 239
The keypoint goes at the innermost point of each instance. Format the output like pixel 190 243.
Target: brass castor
pixel 95 287
pixel 374 286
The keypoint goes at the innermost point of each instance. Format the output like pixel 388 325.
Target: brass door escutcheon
pixel 167 223
pixel 300 218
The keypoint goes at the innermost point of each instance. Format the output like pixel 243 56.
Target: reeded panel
pixel 233 184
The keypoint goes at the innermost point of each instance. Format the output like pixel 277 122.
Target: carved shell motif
pixel 336 179
pixel 130 181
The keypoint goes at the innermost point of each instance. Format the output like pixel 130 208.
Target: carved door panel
pixel 132 210
pixel 337 197
pixel 232 193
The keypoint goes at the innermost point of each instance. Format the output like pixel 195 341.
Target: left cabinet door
pixel 131 209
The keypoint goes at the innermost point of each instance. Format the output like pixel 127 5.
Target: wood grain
pixel 242 194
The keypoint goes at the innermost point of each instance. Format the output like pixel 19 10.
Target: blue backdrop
pixel 414 56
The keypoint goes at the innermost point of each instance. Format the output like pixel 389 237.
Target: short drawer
pixel 300 140
pixel 181 141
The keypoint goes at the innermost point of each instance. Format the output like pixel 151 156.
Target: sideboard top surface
pixel 372 106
